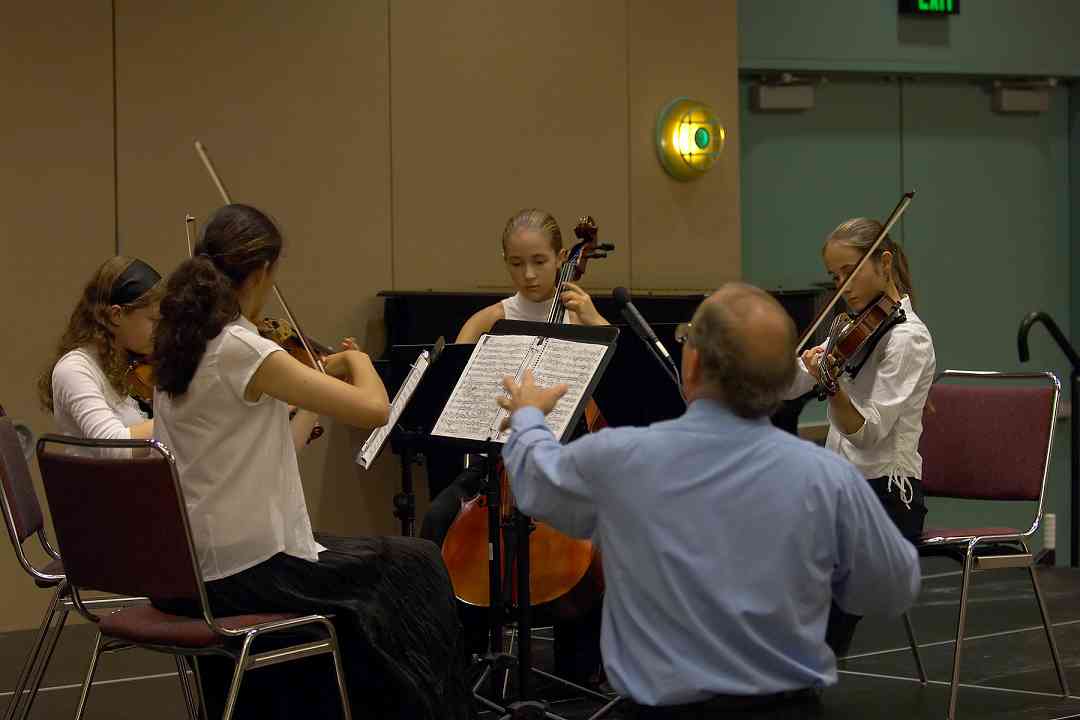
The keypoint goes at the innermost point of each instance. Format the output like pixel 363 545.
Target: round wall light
pixel 689 138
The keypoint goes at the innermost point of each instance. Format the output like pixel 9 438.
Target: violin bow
pixel 901 206
pixel 189 223
pixel 315 360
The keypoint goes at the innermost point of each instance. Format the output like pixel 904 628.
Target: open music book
pixel 375 441
pixel 472 413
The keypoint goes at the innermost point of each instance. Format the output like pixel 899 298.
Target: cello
pixel 564 571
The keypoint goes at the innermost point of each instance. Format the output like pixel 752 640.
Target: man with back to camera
pixel 724 539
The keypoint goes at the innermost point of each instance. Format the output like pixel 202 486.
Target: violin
pixel 140 380
pixel 563 571
pixel 851 340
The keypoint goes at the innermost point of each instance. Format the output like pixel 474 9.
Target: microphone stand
pixel 641 328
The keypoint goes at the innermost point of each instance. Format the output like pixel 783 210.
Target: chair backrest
pixel 990 440
pixel 119 516
pixel 22 512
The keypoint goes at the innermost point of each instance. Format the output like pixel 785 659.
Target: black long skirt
pixel 394 612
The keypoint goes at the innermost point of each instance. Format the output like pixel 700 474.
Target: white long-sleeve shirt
pixel 85 404
pixel 889 392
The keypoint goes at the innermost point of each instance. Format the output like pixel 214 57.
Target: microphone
pixel 634 319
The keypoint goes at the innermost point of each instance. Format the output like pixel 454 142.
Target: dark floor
pixel 1006 671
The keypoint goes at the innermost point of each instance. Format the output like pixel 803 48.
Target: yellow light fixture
pixel 689 138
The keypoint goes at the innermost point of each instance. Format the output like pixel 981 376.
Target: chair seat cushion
pixel 55 567
pixel 946 535
pixel 152 626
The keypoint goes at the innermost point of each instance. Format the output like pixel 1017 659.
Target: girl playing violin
pixel 222 404
pixel 87 386
pixel 875 417
pixel 533 251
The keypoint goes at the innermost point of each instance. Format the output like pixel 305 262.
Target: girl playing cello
pixel 533 251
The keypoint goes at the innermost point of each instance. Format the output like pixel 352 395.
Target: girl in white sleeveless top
pixel 533 251
pixel 222 405
pixel 86 384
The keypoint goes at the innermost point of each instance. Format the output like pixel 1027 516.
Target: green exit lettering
pixel 936 6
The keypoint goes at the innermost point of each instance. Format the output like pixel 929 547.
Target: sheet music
pixel 375 441
pixel 472 412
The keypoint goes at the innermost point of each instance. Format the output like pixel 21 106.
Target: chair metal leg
pixel 965 586
pixel 33 668
pixel 203 712
pixel 95 653
pixel 339 672
pixel 1048 629
pixel 185 686
pixel 914 647
pixel 238 676
pixel 603 712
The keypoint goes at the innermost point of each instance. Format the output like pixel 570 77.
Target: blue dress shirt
pixel 723 541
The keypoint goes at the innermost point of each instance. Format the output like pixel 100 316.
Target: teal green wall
pixel 1011 37
pixel 991 229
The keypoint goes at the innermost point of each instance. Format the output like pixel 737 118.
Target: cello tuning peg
pixel 606 247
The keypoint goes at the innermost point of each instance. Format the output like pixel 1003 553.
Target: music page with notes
pixel 375 441
pixel 472 412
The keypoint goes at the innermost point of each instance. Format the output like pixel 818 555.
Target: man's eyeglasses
pixel 682 332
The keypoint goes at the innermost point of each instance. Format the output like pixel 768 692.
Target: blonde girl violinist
pixel 532 248
pixel 875 417
pixel 222 406
pixel 87 386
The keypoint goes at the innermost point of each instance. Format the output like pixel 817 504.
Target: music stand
pixel 420 418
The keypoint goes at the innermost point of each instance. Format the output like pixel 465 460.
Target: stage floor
pixel 1006 671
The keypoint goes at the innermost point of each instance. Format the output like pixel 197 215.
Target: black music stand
pixel 420 418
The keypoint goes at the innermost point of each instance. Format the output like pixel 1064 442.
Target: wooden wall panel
pixel 291 99
pixel 57 221
pixel 496 107
pixel 685 234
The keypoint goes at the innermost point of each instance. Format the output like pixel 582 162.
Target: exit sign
pixel 929 7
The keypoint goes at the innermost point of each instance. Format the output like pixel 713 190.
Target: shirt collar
pixel 246 324
pixel 714 411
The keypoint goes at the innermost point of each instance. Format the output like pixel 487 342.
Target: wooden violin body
pixel 851 339
pixel 140 380
pixel 563 571
pixel 282 332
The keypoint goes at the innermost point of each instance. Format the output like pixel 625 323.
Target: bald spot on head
pixel 756 322
pixel 747 342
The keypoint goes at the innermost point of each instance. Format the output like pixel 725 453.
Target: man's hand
pixel 528 393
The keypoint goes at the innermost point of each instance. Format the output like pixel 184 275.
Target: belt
pixel 718 703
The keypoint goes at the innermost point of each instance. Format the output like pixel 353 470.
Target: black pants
pixel 909 521
pixel 577 641
pixel 394 615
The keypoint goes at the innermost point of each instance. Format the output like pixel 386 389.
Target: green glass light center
pixel 701 138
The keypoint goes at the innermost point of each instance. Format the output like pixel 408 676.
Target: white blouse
pixel 889 392
pixel 85 404
pixel 236 459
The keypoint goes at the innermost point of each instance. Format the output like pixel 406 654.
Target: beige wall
pixel 391 140
pixel 56 212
